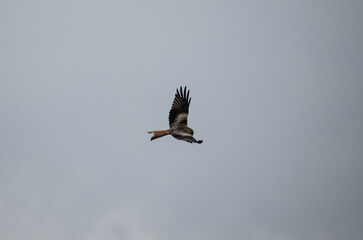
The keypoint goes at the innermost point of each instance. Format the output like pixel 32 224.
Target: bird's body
pixel 178 119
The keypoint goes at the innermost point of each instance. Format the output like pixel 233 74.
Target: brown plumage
pixel 178 119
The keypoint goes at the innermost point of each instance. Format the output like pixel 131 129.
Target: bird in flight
pixel 178 119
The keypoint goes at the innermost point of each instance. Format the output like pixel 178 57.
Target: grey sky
pixel 277 96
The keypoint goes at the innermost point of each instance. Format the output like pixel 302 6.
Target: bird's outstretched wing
pixel 178 115
pixel 181 135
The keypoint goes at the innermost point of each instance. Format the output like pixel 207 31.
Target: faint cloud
pixel 120 223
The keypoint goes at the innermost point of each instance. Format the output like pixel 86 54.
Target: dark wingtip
pixel 199 141
pixel 183 93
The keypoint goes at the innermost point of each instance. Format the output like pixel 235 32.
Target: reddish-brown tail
pixel 157 134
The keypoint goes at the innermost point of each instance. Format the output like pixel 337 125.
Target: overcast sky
pixel 277 97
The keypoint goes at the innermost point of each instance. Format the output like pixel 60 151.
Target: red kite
pixel 178 119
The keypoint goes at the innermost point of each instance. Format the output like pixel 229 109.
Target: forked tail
pixel 157 134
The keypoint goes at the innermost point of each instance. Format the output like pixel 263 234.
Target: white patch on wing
pixel 183 117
